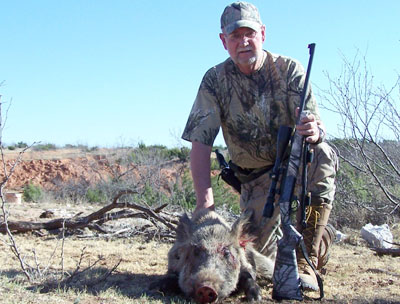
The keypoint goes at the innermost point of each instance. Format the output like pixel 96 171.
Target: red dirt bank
pixel 49 169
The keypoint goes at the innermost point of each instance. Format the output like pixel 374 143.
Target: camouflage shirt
pixel 248 108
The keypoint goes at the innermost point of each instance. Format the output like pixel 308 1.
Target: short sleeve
pixel 204 119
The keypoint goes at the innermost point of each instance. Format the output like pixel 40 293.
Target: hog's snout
pixel 206 294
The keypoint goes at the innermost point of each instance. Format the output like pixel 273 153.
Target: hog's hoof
pixel 253 293
pixel 250 287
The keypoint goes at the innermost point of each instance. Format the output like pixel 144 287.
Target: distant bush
pixel 214 164
pixel 70 146
pixel 180 153
pixel 85 148
pixel 224 195
pixel 153 196
pixel 158 152
pixel 95 196
pixel 19 145
pixel 183 194
pixel 44 147
pixel 22 144
pixel 219 147
pixel 358 198
pixel 32 193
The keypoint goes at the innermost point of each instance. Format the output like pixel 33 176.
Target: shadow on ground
pixel 136 286
pixel 98 280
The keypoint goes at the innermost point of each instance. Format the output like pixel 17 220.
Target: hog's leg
pixel 168 284
pixel 249 286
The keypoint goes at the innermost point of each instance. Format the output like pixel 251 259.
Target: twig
pixel 37 263
pixel 62 250
pixel 78 265
pixel 106 275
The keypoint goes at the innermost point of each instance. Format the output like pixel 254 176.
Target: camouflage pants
pixel 321 177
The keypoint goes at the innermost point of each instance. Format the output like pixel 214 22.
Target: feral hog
pixel 209 260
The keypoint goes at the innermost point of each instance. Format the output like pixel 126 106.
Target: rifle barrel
pixel 303 97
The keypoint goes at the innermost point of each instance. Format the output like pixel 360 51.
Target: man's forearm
pixel 200 166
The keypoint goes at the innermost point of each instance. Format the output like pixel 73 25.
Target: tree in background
pixel 368 184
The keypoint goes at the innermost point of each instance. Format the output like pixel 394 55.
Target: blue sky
pixel 111 73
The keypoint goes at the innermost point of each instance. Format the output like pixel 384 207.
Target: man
pixel 249 96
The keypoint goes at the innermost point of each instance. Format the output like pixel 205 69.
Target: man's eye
pixel 250 34
pixel 235 36
pixel 238 36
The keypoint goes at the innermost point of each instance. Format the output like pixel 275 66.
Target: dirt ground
pixel 121 268
pixel 354 273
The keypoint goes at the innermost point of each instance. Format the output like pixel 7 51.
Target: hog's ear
pixel 184 229
pixel 240 228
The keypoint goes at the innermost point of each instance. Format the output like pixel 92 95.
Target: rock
pixel 340 236
pixel 377 236
pixel 47 214
pixel 13 197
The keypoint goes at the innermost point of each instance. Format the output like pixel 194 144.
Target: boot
pixel 318 237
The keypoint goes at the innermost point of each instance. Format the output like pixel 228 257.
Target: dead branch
pixel 100 216
pixel 392 243
pixel 4 212
pixel 387 251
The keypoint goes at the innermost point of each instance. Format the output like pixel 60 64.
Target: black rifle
pixel 284 135
pixel 286 278
pixel 227 173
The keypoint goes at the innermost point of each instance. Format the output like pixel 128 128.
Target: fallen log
pixel 99 216
pixel 387 251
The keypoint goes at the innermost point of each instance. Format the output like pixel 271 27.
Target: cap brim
pixel 242 23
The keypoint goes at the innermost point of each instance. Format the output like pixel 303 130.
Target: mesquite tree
pixel 368 142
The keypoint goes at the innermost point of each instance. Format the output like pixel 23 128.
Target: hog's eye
pixel 226 252
pixel 196 251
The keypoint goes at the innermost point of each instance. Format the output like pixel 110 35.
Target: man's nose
pixel 244 40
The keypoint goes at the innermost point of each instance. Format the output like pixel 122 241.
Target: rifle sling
pixel 319 280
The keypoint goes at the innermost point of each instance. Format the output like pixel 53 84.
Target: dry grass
pixel 140 263
pixel 354 274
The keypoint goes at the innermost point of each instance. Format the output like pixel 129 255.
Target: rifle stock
pixel 286 280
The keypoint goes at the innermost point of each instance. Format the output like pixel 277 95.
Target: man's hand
pixel 309 127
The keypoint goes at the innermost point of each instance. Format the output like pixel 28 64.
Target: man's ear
pixel 223 39
pixel 263 32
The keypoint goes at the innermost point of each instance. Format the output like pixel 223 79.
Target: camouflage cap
pixel 240 14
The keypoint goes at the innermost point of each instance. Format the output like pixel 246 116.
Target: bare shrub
pixel 368 145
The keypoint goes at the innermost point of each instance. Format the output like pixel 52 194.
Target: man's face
pixel 244 46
